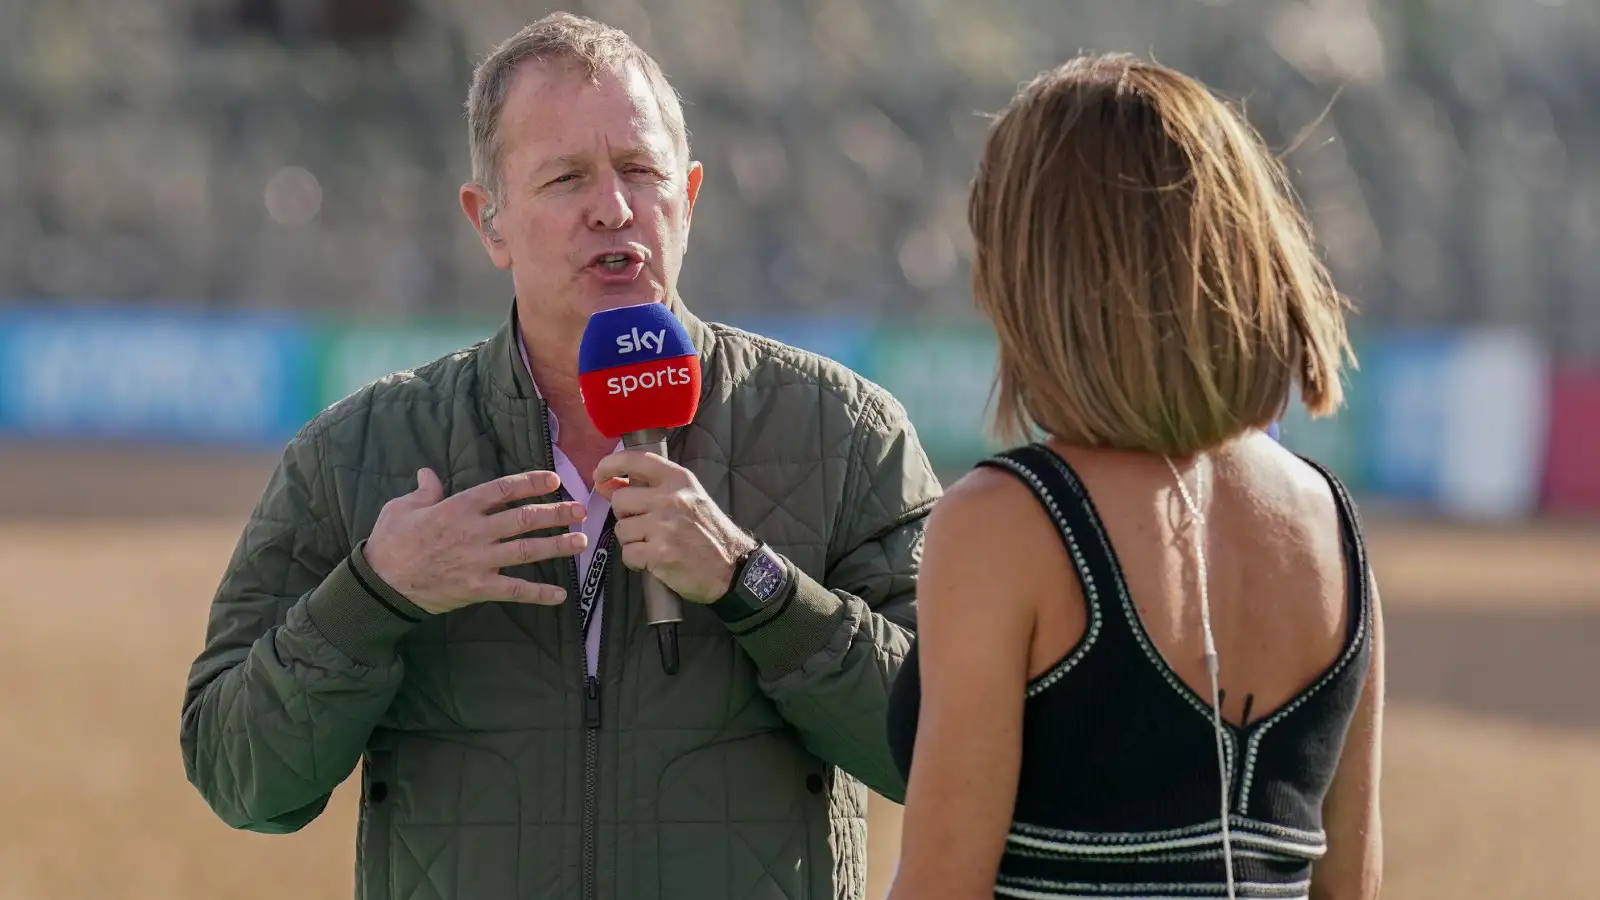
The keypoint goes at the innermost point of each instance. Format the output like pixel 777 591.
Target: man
pixel 396 600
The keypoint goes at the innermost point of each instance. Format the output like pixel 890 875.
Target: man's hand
pixel 443 554
pixel 667 525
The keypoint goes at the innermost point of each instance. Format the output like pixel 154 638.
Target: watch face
pixel 763 576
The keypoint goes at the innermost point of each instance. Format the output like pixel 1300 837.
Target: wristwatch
pixel 760 578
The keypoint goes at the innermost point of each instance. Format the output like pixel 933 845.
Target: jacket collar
pixel 516 414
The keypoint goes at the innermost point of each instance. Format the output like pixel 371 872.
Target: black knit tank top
pixel 1118 793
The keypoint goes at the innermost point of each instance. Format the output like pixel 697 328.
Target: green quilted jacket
pixel 490 769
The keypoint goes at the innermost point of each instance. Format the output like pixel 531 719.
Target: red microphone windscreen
pixel 638 370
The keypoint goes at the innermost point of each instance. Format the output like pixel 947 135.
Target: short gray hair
pixel 559 37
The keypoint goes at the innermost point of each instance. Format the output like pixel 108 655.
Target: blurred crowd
pixel 306 153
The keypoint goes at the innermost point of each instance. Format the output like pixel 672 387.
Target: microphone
pixel 639 376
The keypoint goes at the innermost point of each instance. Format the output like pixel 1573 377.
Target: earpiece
pixel 1212 666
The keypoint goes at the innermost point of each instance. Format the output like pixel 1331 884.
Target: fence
pixel 1473 423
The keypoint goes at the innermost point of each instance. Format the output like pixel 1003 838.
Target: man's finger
pixel 516 590
pixel 534 517
pixel 636 501
pixel 430 489
pixel 508 489
pixel 640 468
pixel 638 555
pixel 522 551
pixel 634 529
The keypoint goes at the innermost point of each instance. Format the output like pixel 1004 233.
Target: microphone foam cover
pixel 637 370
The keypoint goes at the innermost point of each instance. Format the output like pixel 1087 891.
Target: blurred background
pixel 218 216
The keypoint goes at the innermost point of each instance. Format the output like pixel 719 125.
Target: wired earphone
pixel 1211 660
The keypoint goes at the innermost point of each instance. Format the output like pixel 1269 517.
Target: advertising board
pixel 351 356
pixel 943 377
pixel 174 376
pixel 1571 470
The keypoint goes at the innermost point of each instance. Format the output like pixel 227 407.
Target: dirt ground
pixel 1492 753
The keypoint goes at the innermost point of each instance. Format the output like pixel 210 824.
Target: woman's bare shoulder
pixel 990 524
pixel 984 498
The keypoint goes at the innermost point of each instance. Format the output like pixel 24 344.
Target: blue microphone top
pixel 632 334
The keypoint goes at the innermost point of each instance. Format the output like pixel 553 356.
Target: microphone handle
pixel 663 608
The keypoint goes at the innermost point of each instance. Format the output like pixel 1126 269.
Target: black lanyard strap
pixel 594 579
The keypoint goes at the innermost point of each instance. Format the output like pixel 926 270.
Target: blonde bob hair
pixel 1151 282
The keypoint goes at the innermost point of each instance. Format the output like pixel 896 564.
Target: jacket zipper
pixel 591 760
pixel 591 708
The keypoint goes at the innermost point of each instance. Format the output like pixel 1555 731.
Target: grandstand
pixel 306 153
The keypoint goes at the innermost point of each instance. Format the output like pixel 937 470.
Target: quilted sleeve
pixel 299 658
pixel 829 655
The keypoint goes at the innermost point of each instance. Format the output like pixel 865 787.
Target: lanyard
pixel 594 579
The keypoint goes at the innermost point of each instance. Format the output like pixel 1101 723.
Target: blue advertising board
pixel 1456 419
pixel 1408 375
pixel 163 376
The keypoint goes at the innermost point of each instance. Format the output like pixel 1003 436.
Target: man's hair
pixel 1139 252
pixel 588 46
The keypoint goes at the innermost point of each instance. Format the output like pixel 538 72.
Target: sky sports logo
pixel 671 376
pixel 633 341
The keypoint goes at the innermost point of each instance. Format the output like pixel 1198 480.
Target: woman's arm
pixel 975 619
pixel 1353 866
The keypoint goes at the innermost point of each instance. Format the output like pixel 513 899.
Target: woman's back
pixel 1277 568
pixel 1157 300
pixel 1117 784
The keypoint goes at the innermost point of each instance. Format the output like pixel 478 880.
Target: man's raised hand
pixel 445 553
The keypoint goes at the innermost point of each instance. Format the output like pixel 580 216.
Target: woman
pixel 1156 297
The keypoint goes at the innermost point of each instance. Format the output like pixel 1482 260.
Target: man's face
pixel 597 199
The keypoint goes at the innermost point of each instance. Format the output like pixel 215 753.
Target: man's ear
pixel 480 210
pixel 697 174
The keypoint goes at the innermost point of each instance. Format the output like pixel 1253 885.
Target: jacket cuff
pixel 360 614
pixel 781 643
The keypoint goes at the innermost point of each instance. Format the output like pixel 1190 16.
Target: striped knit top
pixel 1118 794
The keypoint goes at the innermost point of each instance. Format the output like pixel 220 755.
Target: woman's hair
pixel 1140 255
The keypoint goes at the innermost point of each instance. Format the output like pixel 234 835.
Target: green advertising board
pixel 351 356
pixel 1338 441
pixel 943 376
